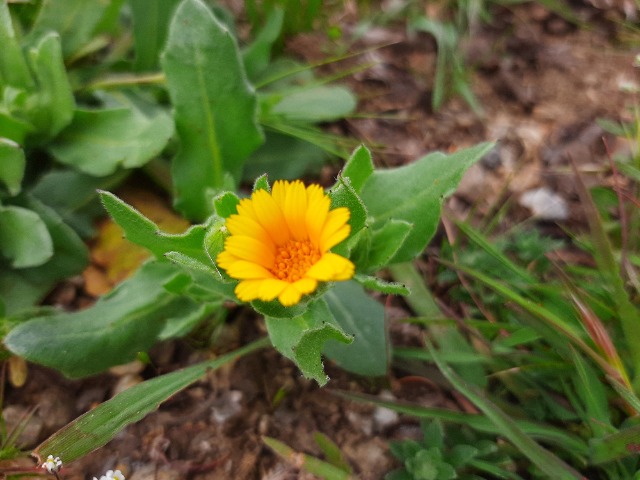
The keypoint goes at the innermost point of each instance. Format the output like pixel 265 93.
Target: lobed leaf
pixel 302 338
pixel 425 184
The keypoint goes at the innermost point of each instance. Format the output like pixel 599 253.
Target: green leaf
pixel 342 194
pixel 214 107
pixel 382 286
pixel 262 183
pixel 180 258
pixel 360 316
pixel 100 141
pixel 14 129
pixel 13 66
pixel 314 104
pixel 359 167
pixel 332 452
pixel 24 237
pixel 96 427
pixel 74 20
pixel 460 455
pixel 274 309
pixel 25 287
pixel 301 338
pixel 256 56
pixel 386 241
pixel 12 164
pixel 150 28
pixel 142 231
pixel 414 193
pixel 226 204
pixel 126 321
pixel 54 102
pixel 306 462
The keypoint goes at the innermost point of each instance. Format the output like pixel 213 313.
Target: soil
pixel 542 83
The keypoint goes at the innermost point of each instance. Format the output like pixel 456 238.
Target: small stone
pixel 128 368
pixel 545 204
pixel 228 405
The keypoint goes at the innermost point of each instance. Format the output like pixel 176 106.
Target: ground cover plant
pixel 541 348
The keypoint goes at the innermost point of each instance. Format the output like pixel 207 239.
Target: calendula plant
pixel 301 256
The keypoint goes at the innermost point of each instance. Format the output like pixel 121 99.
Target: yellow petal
pixel 333 230
pixel 271 288
pixel 305 285
pixel 245 225
pixel 295 209
pixel 270 216
pixel 241 269
pixel 245 209
pixel 248 290
pixel 279 192
pixel 331 267
pixel 289 296
pixel 318 205
pixel 225 259
pixel 248 248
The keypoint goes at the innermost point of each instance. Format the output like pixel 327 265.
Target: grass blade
pixel 547 462
pixel 306 462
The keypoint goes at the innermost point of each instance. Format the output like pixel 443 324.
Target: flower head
pixel 280 241
pixel 111 475
pixel 52 465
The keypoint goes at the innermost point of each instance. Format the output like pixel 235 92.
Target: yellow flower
pixel 280 241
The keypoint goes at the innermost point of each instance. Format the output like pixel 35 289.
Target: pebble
pixel 545 204
pixel 228 405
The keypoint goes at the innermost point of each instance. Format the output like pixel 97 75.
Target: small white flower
pixel 52 464
pixel 111 475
